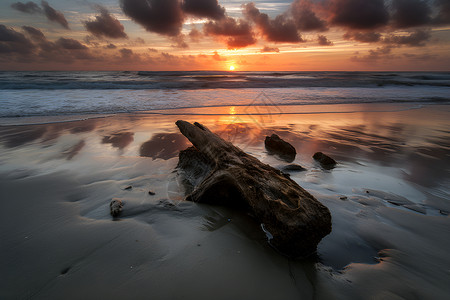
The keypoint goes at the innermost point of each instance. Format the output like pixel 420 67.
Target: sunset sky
pixel 282 35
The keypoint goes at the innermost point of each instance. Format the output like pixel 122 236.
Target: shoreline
pixel 238 110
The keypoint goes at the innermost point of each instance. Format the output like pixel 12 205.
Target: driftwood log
pixel 293 219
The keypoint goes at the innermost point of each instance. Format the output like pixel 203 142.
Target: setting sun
pixel 231 68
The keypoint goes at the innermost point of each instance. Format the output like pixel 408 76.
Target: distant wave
pixel 215 80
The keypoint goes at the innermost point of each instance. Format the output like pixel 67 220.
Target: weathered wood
pixel 295 220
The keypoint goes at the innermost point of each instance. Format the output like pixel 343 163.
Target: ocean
pixel 71 142
pixel 24 94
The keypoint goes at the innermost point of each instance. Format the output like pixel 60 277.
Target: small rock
pixel 343 197
pixel 275 145
pixel 325 161
pixel 151 193
pixel 128 187
pixel 115 207
pixel 293 168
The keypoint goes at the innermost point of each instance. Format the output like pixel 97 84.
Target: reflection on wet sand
pixel 119 140
pixel 21 135
pixel 164 146
pixel 74 150
pixel 15 136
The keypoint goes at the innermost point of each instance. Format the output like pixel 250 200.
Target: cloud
pixel 217 57
pixel 204 9
pixel 410 13
pixel 126 52
pixel 374 55
pixel 305 18
pixel 34 33
pixel 443 16
pixel 324 41
pixel 110 46
pixel 70 44
pixel 15 46
pixel 105 25
pixel 364 37
pixel 269 49
pixel 179 42
pixel 358 14
pixel 54 15
pixel 237 34
pixel 29 7
pixel 419 57
pixel 163 17
pixel 139 41
pixel 51 14
pixel 418 38
pixel 195 35
pixel 279 30
pixel 13 42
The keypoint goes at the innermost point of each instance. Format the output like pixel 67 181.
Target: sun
pixel 232 68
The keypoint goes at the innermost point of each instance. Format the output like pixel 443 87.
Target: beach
pixel 388 197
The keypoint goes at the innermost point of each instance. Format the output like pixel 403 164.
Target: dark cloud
pixel 237 34
pixel 105 25
pixel 51 14
pixel 14 42
pixel 128 56
pixel 17 47
pixel 163 17
pixel 358 14
pixel 410 13
pixel 110 46
pixel 324 41
pixel 34 33
pixel 305 18
pixel 364 37
pixel 269 49
pixel 204 9
pixel 281 29
pixel 443 16
pixel 418 38
pixel 126 53
pixel 70 44
pixel 54 15
pixel 29 7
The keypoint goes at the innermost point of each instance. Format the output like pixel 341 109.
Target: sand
pixel 388 195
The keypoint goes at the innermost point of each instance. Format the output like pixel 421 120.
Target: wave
pixel 144 80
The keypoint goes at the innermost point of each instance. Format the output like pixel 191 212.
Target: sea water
pixel 43 94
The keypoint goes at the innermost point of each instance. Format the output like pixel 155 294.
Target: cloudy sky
pixel 304 35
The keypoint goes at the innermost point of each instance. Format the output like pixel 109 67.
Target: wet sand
pixel 388 195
